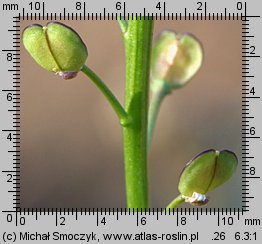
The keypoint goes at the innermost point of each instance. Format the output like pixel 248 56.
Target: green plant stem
pixel 175 203
pixel 123 24
pixel 138 40
pixel 159 91
pixel 120 111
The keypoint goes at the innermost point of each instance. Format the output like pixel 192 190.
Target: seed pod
pixel 207 171
pixel 176 58
pixel 56 47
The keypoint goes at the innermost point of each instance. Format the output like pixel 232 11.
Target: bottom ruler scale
pixel 101 227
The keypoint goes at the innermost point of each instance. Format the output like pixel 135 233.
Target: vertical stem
pixel 123 24
pixel 138 48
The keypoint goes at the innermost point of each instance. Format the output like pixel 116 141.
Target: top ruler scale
pixel 20 224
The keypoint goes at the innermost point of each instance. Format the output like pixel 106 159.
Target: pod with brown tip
pixel 207 171
pixel 56 47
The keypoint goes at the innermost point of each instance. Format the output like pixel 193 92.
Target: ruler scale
pixel 232 224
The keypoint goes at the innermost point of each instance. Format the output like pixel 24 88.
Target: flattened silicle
pixel 205 172
pixel 56 47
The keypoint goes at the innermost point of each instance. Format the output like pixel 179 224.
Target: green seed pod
pixel 56 47
pixel 207 171
pixel 176 58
